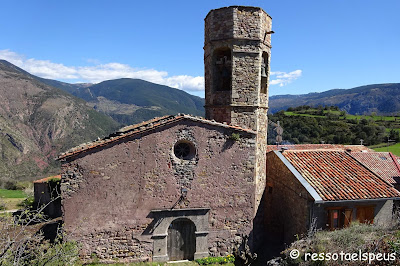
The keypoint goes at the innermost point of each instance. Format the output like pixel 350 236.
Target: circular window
pixel 184 150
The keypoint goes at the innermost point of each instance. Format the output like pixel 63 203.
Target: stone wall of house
pixel 286 203
pixel 109 193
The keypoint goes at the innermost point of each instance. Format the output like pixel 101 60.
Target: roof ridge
pixel 141 128
pixel 314 150
pixel 44 179
pixel 395 162
pixel 365 166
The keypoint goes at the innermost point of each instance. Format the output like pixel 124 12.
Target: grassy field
pixel 395 149
pixel 296 114
pixel 13 194
pixel 348 116
pixel 11 198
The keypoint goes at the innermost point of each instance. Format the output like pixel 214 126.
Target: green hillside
pixel 379 98
pixel 395 149
pixel 330 125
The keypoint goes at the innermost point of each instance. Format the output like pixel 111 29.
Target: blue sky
pixel 317 45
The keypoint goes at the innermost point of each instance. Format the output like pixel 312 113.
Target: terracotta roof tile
pixel 336 175
pixel 144 127
pixel 383 164
pixel 46 179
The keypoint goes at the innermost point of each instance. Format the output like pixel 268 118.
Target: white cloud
pixel 191 83
pixel 284 78
pixel 100 72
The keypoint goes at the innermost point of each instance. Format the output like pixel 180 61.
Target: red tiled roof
pixel 381 163
pixel 336 175
pixel 46 179
pixel 353 148
pixel 144 127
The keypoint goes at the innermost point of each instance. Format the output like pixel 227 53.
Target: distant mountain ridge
pixel 380 98
pixel 130 101
pixel 38 121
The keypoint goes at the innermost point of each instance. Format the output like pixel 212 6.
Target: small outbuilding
pixel 47 195
pixel 326 189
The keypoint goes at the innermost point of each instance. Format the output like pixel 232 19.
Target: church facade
pixel 181 187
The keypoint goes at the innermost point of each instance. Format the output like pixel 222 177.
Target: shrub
pixel 235 136
pixel 21 185
pixel 10 185
pixel 27 203
pixel 22 244
pixel 367 238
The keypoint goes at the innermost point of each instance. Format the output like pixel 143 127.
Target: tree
pixel 394 135
pixel 22 241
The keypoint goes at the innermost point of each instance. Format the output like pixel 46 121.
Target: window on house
pixel 184 150
pixel 365 214
pixel 339 217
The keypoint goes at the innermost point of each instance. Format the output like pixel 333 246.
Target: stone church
pixel 181 187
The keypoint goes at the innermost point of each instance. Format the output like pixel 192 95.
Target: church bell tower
pixel 237 50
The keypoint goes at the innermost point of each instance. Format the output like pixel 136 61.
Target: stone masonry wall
pixel 245 32
pixel 286 203
pixel 108 194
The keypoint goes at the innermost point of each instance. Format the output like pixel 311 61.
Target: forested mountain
pixel 130 101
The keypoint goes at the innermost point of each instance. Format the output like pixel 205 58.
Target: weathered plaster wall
pixel 108 194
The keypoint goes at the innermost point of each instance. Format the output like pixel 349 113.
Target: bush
pixel 22 244
pixel 21 185
pixel 216 260
pixel 10 185
pixel 367 238
pixel 27 203
pixel 235 136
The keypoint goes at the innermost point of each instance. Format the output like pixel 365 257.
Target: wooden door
pixel 365 214
pixel 181 240
pixel 348 216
